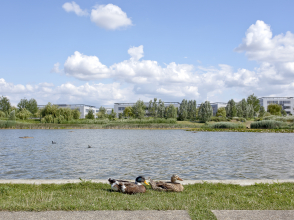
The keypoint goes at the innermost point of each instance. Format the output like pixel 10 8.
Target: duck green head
pixel 141 179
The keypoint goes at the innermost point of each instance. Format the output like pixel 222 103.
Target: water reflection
pixel 154 153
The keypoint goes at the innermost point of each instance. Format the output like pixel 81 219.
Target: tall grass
pixel 268 124
pixel 230 125
pixel 280 118
pixel 7 124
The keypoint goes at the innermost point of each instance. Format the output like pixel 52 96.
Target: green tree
pixel 254 101
pixel 23 103
pixel 128 112
pixel 2 114
pixel 24 114
pixel 160 109
pixel 90 114
pixel 231 109
pixel 32 106
pixel 49 109
pixel 261 112
pixel 120 115
pixel 171 111
pixel 183 111
pixel 283 112
pixel 102 113
pixel 112 115
pixel 5 105
pixel 12 115
pixel 153 108
pixel 76 114
pixel 221 112
pixel 250 111
pixel 205 111
pixel 138 109
pixel 274 109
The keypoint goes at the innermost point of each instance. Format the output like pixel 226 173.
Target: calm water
pixel 153 153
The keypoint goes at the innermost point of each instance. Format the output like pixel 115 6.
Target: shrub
pixel 218 119
pixel 226 125
pixel 2 114
pixel 268 124
pixel 12 115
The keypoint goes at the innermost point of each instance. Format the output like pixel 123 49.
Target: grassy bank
pixel 198 199
pixel 205 129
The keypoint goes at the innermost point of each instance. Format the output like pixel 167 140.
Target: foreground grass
pixel 198 199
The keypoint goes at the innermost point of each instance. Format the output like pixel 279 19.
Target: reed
pixel 268 124
pixel 227 125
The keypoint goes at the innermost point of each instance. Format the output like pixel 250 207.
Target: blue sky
pixel 101 52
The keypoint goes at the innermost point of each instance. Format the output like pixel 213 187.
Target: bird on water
pixel 53 142
pixel 89 146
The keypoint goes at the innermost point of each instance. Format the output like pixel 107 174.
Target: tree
pixel 250 111
pixel 253 100
pixel 90 114
pixel 12 115
pixel 261 111
pixel 171 111
pixel 183 111
pixel 283 112
pixel 76 114
pixel 274 109
pixel 102 113
pixel 160 109
pixel 2 114
pixel 128 112
pixel 112 115
pixel 231 109
pixel 30 105
pixel 153 107
pixel 205 111
pixel 221 112
pixel 23 114
pixel 139 109
pixel 5 105
pixel 191 110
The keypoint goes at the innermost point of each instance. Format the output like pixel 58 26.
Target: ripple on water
pixel 154 153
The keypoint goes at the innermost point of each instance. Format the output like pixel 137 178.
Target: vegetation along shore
pixel 244 116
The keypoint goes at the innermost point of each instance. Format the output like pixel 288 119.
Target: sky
pixel 103 52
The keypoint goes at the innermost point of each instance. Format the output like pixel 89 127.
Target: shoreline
pixel 247 182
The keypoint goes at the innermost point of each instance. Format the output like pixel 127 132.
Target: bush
pixel 226 125
pixel 268 124
pixel 218 119
pixel 2 114
pixel 12 115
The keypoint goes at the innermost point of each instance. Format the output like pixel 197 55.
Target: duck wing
pixel 160 186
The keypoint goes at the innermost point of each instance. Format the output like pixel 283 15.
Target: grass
pixel 206 129
pixel 198 199
pixel 226 125
pixel 268 124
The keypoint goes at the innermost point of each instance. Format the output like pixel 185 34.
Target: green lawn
pixel 198 199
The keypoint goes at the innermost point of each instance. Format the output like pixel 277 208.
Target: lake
pixel 153 153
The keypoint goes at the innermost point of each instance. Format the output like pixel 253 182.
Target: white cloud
pixel 74 7
pixel 55 68
pixel 110 17
pixel 136 53
pixel 85 67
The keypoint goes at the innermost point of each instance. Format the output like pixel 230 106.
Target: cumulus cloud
pixel 136 53
pixel 110 17
pixel 74 7
pixel 85 67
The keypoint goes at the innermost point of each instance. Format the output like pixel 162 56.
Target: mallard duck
pixel 128 187
pixel 172 186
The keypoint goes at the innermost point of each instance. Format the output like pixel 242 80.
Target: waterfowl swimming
pixel 89 146
pixel 128 187
pixel 53 142
pixel 172 186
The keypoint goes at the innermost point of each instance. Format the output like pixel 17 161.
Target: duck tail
pixel 153 184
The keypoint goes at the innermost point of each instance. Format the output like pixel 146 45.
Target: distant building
pixel 84 109
pixel 216 105
pixel 287 103
pixel 120 107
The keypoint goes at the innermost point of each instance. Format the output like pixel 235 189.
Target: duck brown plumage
pixel 128 187
pixel 172 186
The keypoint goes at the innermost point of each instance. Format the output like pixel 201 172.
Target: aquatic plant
pixel 268 124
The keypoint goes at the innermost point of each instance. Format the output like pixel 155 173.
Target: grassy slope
pixel 198 199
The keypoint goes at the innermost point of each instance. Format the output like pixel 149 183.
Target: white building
pixel 287 103
pixel 84 109
pixel 120 107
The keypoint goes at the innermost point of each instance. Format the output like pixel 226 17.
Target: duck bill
pixel 180 179
pixel 146 182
